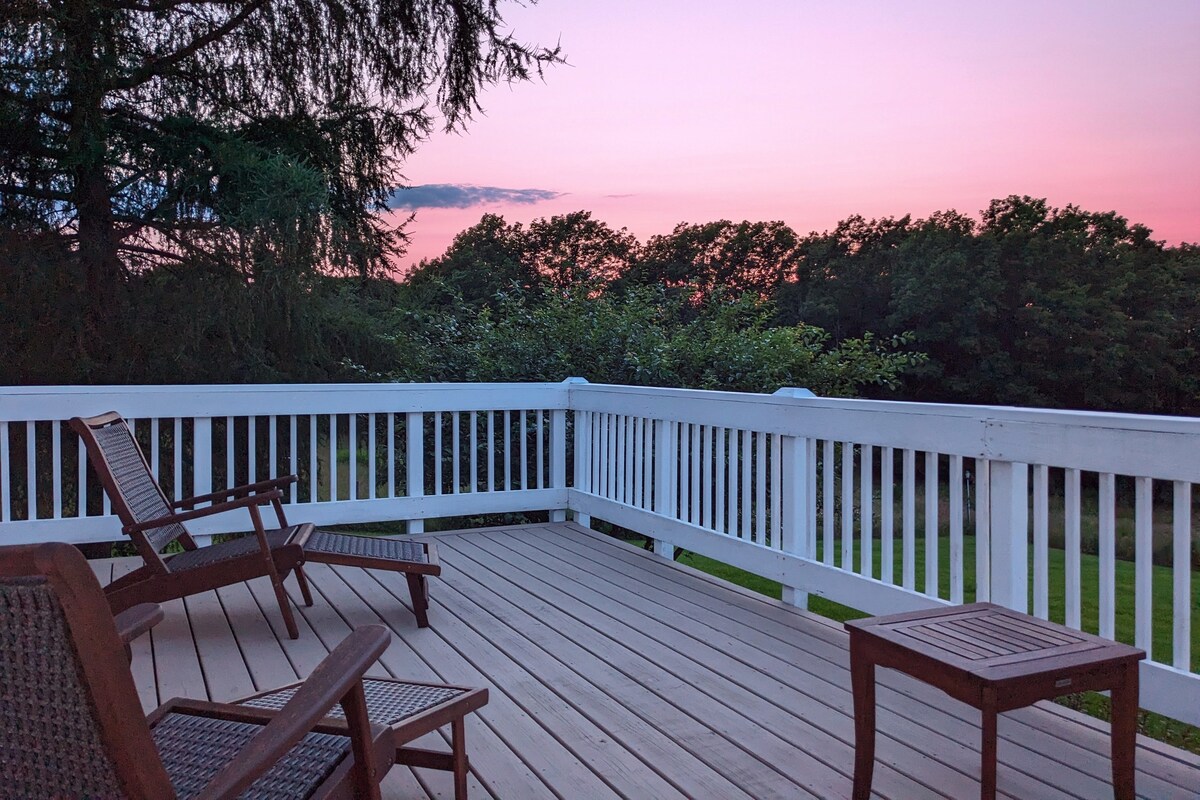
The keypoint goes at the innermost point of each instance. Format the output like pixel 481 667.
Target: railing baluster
pixel 1108 554
pixel 848 506
pixel 176 460
pixel 456 452
pixel 1143 605
pixel 333 458
pixel 719 477
pixel 491 451
pixel 866 502
pixel 251 448
pixel 524 450
pixel 746 506
pixel 732 463
pixel 6 476
pixel 760 488
pixel 1041 541
pixel 541 482
pixel 372 435
pixel 154 447
pixel 352 457
pixel 229 454
pixel 293 458
pixel 56 466
pixel 82 464
pixel 31 469
pixel 474 437
pixel 437 453
pixel 932 556
pixel 956 529
pixel 313 497
pixel 887 513
pixel 1181 570
pixel 506 446
pixel 827 506
pixel 1071 549
pixel 624 442
pixel 908 564
pixel 685 460
pixel 272 446
pixel 707 464
pixel 697 489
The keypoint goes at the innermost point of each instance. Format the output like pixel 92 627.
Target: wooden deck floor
pixel 614 673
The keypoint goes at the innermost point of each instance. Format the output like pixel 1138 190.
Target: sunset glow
pixel 809 112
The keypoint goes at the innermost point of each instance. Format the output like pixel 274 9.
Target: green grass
pixel 1154 725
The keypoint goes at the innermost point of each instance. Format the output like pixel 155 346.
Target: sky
pixel 683 111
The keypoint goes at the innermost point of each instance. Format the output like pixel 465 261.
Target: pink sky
pixel 683 111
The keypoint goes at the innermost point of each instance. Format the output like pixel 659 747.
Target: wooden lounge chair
pixel 153 522
pixel 71 725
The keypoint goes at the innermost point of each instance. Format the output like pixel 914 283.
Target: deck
pixel 616 674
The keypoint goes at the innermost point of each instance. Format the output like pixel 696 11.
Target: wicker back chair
pixel 153 522
pixel 71 724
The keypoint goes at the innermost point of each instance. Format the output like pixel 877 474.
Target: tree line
pixel 1028 305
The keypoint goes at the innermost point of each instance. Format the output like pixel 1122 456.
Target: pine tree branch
pixel 157 66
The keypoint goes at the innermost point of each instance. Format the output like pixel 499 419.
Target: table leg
pixel 862 680
pixel 1124 733
pixel 458 744
pixel 987 780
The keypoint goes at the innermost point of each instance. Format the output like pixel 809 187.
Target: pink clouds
pixel 808 112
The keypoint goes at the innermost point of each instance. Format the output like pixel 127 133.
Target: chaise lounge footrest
pixel 416 559
pixel 411 710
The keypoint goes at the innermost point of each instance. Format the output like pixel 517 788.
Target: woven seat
pixel 416 559
pixel 388 702
pixel 411 710
pixel 71 724
pixel 194 749
pixel 379 547
pixel 153 523
pixel 227 550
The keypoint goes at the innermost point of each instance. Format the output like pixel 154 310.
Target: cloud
pixel 463 195
pixel 619 196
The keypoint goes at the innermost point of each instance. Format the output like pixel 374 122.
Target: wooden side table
pixel 996 660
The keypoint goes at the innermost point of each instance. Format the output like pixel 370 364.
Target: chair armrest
pixel 133 622
pixel 242 502
pixel 237 491
pixel 335 678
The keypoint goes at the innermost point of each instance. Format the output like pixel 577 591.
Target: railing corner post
pixel 1008 516
pixel 558 460
pixel 796 533
pixel 664 479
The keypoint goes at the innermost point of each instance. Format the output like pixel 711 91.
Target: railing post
pixel 1009 532
pixel 797 536
pixel 414 434
pixel 797 533
pixel 664 479
pixel 582 451
pixel 202 465
pixel 558 458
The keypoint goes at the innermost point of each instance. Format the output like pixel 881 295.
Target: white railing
pixel 418 451
pixel 880 506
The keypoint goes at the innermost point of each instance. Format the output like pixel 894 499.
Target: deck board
pixel 614 673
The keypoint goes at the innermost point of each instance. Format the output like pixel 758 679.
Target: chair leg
pixel 285 607
pixel 417 589
pixel 302 579
pixel 458 740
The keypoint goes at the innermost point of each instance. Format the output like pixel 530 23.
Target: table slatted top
pixel 981 638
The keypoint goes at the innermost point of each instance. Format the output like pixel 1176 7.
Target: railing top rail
pixel 1152 446
pixel 22 403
